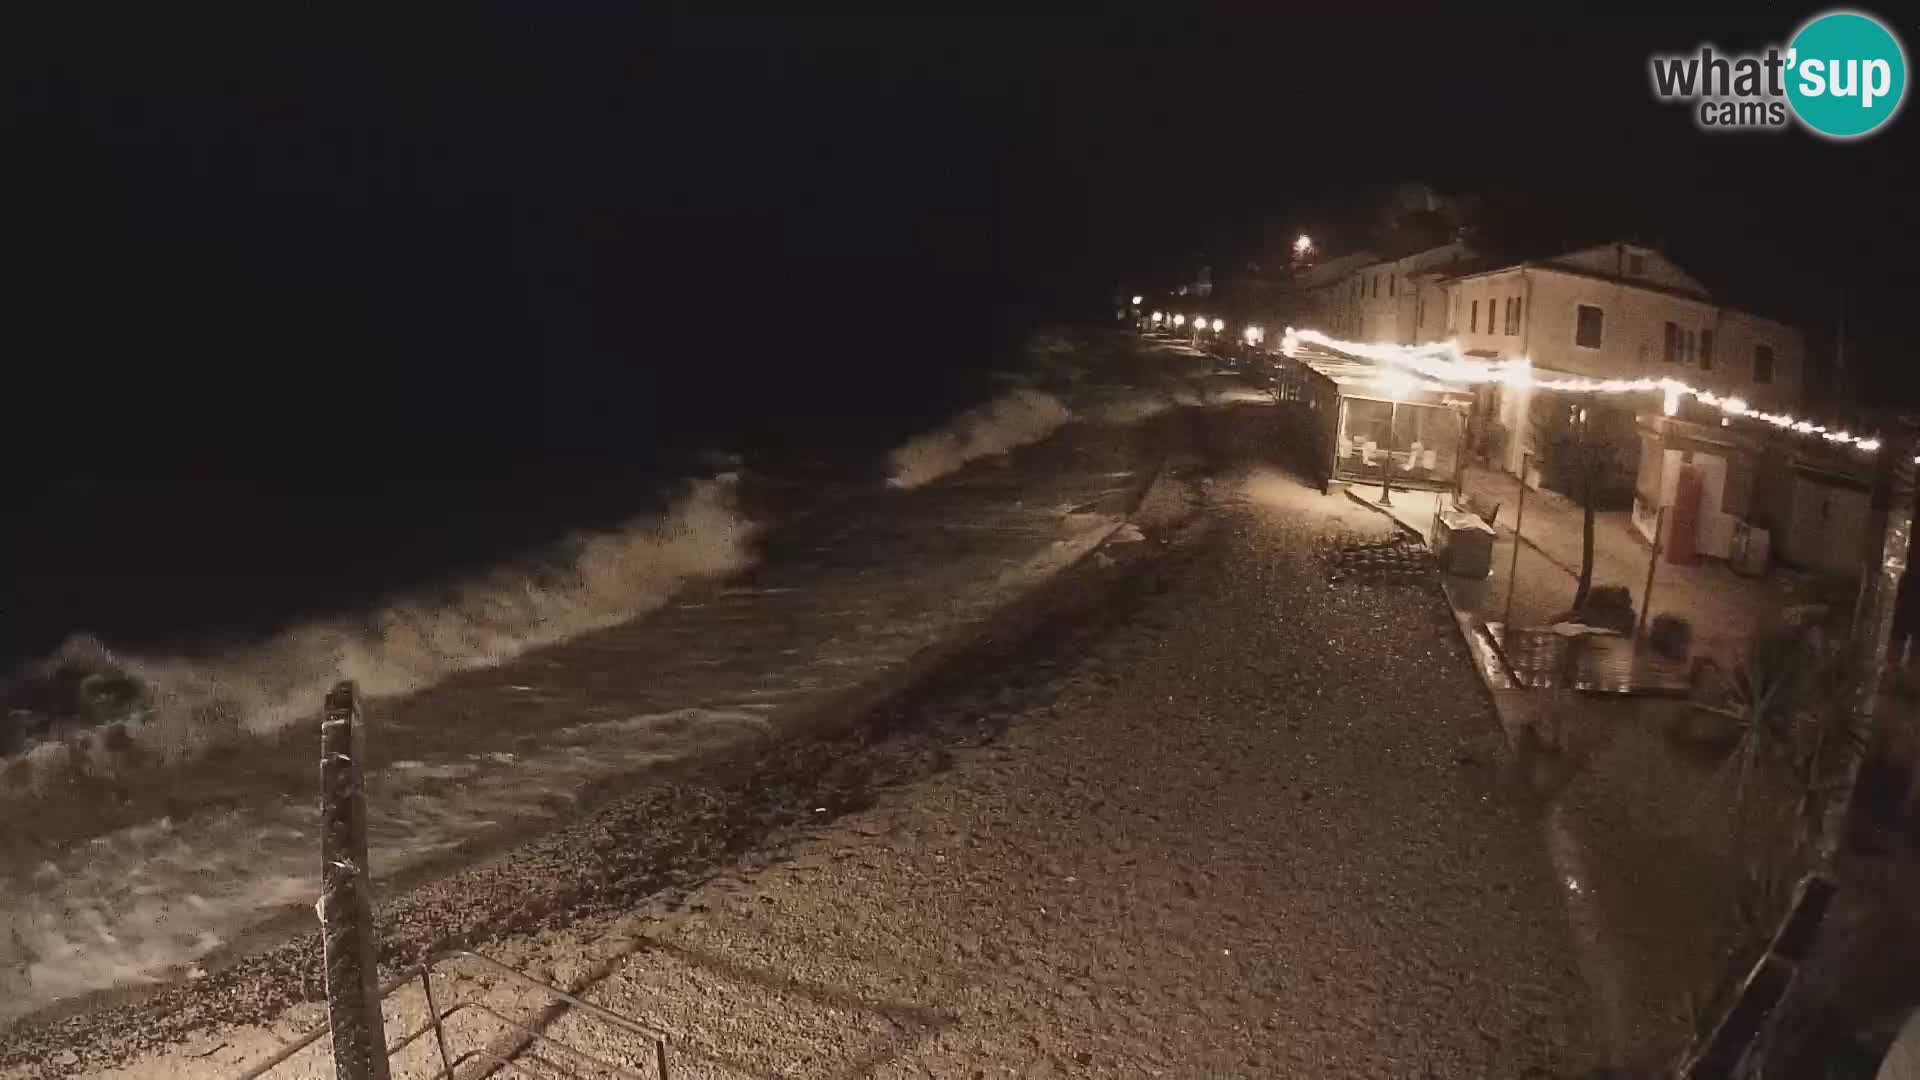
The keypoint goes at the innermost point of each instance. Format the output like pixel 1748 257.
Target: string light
pixel 1443 361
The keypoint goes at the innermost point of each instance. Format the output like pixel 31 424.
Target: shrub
pixel 1610 598
pixel 1671 635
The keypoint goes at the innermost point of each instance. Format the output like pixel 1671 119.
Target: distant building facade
pixel 1611 311
pixel 1624 312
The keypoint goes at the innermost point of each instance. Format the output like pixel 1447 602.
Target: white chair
pixel 1367 450
pixel 1413 458
pixel 1430 461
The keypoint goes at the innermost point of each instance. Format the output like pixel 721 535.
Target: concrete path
pixel 1638 813
pixel 1723 607
pixel 1636 825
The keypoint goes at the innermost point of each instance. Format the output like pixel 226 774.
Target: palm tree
pixel 1787 702
pixel 1584 446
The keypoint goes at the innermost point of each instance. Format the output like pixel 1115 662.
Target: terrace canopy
pixel 1363 417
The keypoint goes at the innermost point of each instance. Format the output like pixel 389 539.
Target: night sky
pixel 273 260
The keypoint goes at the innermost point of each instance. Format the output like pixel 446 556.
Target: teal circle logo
pixel 1846 74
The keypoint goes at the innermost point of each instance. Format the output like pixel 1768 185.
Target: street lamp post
pixel 1653 563
pixel 1386 460
pixel 1513 565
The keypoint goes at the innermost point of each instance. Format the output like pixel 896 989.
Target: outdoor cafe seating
pixel 1416 461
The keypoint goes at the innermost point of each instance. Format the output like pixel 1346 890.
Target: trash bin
pixel 1464 544
pixel 1748 553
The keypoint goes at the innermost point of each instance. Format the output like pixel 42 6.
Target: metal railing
pixel 437 1018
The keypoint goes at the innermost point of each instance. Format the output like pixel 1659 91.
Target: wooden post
pixel 1460 455
pixel 1513 566
pixel 1386 463
pixel 1653 560
pixel 346 908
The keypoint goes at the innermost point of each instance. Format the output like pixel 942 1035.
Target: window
pixel 1706 350
pixel 1686 346
pixel 1376 284
pixel 1763 363
pixel 1587 326
pixel 1473 318
pixel 1670 352
pixel 1637 265
pixel 1389 284
pixel 1519 313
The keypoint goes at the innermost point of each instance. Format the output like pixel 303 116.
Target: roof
pixel 1452 249
pixel 1495 266
pixel 1834 470
pixel 1326 272
pixel 1362 375
pixel 1472 267
pixel 1590 275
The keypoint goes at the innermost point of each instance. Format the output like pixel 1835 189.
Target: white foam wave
pixel 412 643
pixel 1008 422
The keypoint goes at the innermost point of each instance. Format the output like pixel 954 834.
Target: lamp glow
pixel 1219 325
pixel 1397 383
pixel 1303 245
pixel 1137 299
pixel 1179 320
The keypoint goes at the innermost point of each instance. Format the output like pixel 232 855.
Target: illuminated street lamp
pixel 1303 251
pixel 1179 320
pixel 1219 325
pixel 1253 334
pixel 1397 384
pixel 1137 299
pixel 1157 316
